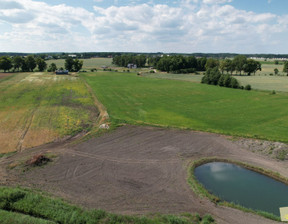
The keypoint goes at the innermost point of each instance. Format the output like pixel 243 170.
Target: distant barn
pixel 62 72
pixel 131 66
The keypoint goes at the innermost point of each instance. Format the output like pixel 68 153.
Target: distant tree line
pixel 124 60
pixel 190 64
pixel 24 64
pixel 178 63
pixel 29 63
pixel 63 55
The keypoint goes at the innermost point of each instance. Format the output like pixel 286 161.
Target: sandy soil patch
pixel 137 170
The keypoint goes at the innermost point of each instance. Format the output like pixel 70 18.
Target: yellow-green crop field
pixel 37 108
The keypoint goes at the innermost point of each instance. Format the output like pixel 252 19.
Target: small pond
pixel 236 184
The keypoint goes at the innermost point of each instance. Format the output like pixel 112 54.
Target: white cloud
pixel 216 1
pixel 191 26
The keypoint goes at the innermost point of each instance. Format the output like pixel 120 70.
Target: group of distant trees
pixel 178 63
pixel 213 76
pixel 190 64
pixel 184 64
pixel 30 62
pixel 124 60
pixel 18 63
pixel 73 65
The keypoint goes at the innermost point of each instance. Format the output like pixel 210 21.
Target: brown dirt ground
pixel 136 170
pixel 3 75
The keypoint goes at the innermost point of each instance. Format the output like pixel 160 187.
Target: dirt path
pixel 138 170
pixel 103 114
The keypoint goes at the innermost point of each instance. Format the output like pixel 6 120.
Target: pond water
pixel 236 184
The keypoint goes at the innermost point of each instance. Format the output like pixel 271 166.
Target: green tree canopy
pixel 5 63
pixel 211 63
pixel 251 66
pixel 77 65
pixel 17 62
pixel 52 67
pixel 42 65
pixel 285 68
pixel 30 63
pixel 239 62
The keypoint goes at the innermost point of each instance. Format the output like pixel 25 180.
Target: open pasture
pixel 170 103
pixel 87 63
pixel 268 69
pixel 36 108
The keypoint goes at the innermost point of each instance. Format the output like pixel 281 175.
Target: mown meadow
pixel 36 108
pixel 171 103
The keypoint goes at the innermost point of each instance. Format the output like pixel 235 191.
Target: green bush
pixel 248 87
pixel 214 77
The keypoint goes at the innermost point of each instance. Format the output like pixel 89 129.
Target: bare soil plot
pixel 3 75
pixel 137 170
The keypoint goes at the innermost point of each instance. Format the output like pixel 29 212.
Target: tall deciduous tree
pixel 251 66
pixel 211 63
pixel 285 68
pixel 73 65
pixel 69 62
pixel 42 65
pixel 52 67
pixel 30 63
pixel 5 63
pixel 17 62
pixel 239 62
pixel 77 65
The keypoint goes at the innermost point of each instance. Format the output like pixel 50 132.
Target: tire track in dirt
pixel 26 129
pixel 121 160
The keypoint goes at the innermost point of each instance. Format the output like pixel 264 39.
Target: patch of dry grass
pixel 37 108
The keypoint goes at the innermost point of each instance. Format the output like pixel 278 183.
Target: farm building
pixel 131 66
pixel 62 72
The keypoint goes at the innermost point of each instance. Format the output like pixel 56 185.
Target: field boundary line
pixel 103 114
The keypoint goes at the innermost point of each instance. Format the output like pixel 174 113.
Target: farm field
pixel 88 63
pixel 261 81
pixel 36 108
pixel 133 170
pixel 141 100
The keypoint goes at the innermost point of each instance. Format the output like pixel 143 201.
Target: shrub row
pixel 214 77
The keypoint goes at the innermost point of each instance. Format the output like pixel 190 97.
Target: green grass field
pixel 22 206
pixel 87 63
pixel 261 81
pixel 141 100
pixel 36 108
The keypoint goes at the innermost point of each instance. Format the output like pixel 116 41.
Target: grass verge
pixel 20 205
pixel 199 189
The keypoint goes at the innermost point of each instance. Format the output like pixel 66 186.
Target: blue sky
pixel 183 26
